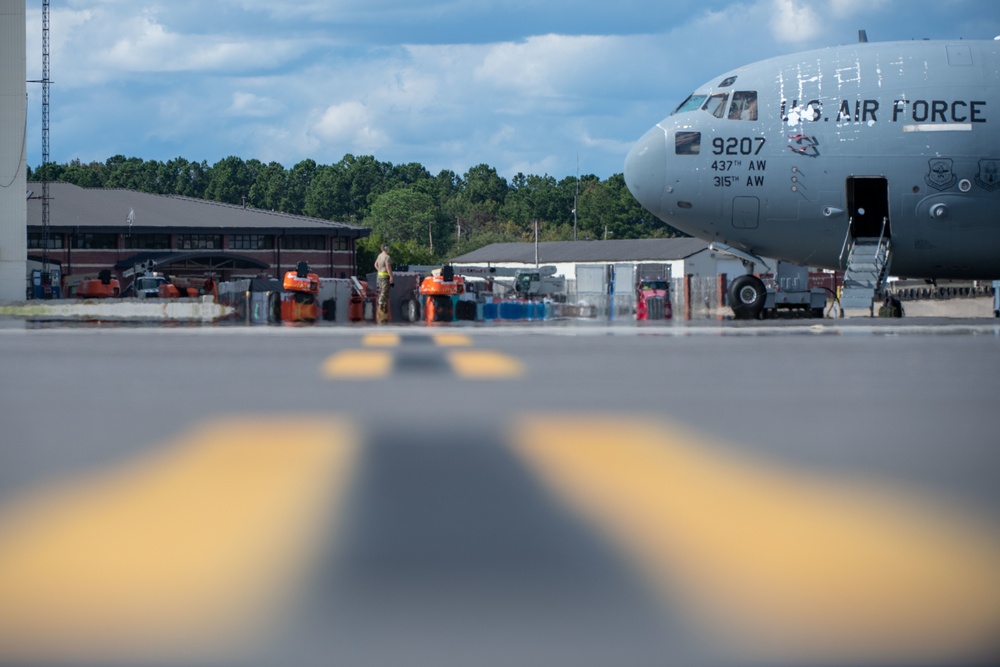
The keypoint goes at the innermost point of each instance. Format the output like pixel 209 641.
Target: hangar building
pixel 92 229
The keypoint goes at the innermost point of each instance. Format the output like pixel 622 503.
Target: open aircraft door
pixel 868 203
pixel 868 242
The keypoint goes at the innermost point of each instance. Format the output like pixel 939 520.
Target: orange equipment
pixel 102 287
pixel 440 291
pixel 299 300
pixel 172 291
pixel 356 304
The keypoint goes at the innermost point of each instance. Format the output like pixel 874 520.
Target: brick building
pixel 95 229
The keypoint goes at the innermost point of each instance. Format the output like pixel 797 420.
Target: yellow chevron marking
pixel 191 553
pixel 452 340
pixel 786 565
pixel 381 340
pixel 484 365
pixel 358 364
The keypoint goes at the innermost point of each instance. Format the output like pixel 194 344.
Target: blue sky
pixel 532 86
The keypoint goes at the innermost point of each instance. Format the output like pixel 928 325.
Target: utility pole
pixel 576 194
pixel 536 243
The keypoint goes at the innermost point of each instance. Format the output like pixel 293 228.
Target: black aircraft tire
pixel 411 310
pixel 746 297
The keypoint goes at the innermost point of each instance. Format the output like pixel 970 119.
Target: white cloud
pixel 142 44
pixel 800 21
pixel 254 106
pixel 446 83
pixel 849 8
pixel 349 124
pixel 795 21
pixel 548 66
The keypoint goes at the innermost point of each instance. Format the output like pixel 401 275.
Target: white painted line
pixel 947 127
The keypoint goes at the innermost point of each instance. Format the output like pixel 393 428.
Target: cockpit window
pixel 744 106
pixel 727 82
pixel 687 143
pixel 690 104
pixel 716 104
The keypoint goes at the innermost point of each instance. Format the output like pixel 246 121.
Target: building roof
pixel 100 209
pixel 630 250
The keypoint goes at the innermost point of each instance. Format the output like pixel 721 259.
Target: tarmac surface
pixel 708 493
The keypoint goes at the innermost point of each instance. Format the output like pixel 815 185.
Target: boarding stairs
pixel 866 272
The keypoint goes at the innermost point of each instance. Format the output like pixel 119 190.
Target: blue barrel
pixel 511 310
pixel 490 311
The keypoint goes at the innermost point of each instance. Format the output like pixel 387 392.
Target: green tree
pixel 402 215
pixel 325 194
pixel 132 174
pixel 86 176
pixel 484 189
pixel 269 187
pixel 230 181
pixel 299 178
pixel 367 178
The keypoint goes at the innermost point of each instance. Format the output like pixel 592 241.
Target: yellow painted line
pixel 381 340
pixel 452 340
pixel 189 554
pixel 783 564
pixel 358 364
pixel 484 365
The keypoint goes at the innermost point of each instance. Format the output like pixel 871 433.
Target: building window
pixel 36 241
pixel 251 242
pixel 95 241
pixel 148 242
pixel 303 242
pixel 341 243
pixel 199 242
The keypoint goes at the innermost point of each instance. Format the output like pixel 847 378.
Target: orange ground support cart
pixel 102 287
pixel 299 301
pixel 440 292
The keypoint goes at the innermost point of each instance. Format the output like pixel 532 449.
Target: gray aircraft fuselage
pixel 793 156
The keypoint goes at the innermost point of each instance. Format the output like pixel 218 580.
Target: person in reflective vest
pixel 383 264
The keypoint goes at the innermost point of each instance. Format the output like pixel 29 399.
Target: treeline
pixel 426 218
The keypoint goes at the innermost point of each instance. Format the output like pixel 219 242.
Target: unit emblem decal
pixel 804 145
pixel 941 173
pixel 988 177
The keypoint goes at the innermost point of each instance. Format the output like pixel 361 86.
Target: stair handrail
pixel 881 234
pixel 847 237
pixel 882 258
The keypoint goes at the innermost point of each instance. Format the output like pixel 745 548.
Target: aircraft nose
pixel 646 169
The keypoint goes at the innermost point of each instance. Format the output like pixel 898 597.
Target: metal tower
pixel 45 140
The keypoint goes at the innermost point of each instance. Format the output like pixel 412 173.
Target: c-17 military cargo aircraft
pixel 866 158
